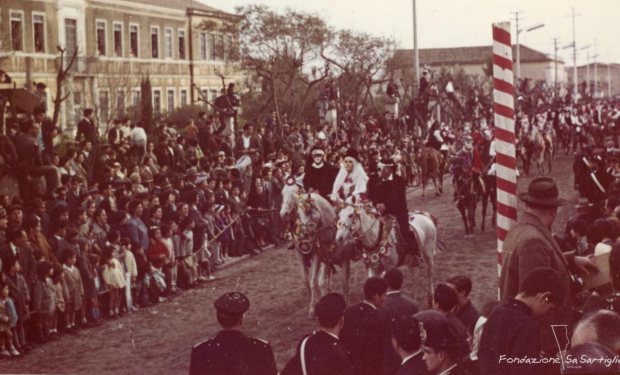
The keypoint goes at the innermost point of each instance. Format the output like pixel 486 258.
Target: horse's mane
pixel 323 205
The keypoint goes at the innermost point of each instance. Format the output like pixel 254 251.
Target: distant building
pixel 177 43
pixel 604 77
pixel 474 60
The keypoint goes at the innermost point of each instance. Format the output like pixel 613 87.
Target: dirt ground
pixel 158 340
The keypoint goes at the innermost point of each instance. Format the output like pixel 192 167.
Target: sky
pixel 457 23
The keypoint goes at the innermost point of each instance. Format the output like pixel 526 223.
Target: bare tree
pixel 360 60
pixel 61 76
pixel 281 49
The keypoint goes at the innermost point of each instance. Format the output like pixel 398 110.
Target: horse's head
pixel 290 194
pixel 348 223
pixel 309 212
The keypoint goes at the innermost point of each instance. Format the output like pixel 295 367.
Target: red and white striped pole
pixel 505 145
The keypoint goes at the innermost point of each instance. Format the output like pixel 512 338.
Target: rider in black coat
pixel 390 196
pixel 319 175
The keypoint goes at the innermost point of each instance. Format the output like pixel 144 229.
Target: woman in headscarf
pixel 351 180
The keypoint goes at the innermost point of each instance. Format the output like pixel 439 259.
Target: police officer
pixel 390 197
pixel 407 336
pixel 231 352
pixel 321 353
pixel 444 351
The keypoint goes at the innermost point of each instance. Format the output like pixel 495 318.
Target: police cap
pixel 233 303
pixel 331 305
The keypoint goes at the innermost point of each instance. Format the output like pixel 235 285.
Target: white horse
pixel 380 244
pixel 316 233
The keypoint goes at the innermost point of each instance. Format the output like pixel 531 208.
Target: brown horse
pixel 431 164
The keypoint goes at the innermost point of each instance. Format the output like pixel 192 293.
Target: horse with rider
pixel 380 203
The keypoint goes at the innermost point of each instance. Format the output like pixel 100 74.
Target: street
pixel 158 339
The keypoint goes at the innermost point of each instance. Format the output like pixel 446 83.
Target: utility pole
pixel 416 63
pixel 416 54
pixel 575 83
pixel 555 63
pixel 608 78
pixel 595 71
pixel 517 52
pixel 587 49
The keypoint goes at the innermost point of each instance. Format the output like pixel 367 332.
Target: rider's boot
pixel 412 249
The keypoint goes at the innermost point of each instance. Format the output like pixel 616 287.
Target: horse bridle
pixel 364 233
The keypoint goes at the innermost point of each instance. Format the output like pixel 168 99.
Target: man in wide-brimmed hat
pixel 530 244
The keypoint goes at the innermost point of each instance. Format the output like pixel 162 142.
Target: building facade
pixel 182 46
pixel 474 60
pixel 606 76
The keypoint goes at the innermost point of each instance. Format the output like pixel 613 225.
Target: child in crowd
pixel 75 289
pixel 20 295
pixel 142 268
pixel 186 258
pixel 158 254
pixel 44 300
pixel 131 271
pixel 8 321
pixel 170 266
pixel 114 278
pixel 90 281
pixel 62 296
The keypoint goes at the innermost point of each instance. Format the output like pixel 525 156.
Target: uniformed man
pixel 390 197
pixel 395 305
pixel 320 175
pixel 362 333
pixel 231 352
pixel 407 336
pixel 443 350
pixel 321 353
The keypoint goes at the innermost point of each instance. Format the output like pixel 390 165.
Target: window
pixel 183 97
pixel 77 105
pixel 38 32
pixel 168 43
pixel 203 46
pixel 213 94
pixel 181 44
pixel 118 39
pixel 211 46
pixel 156 102
pixel 136 97
pixel 228 48
pixel 104 107
pixel 70 36
pixel 219 47
pixel 155 42
pixel 133 40
pixel 120 103
pixel 101 38
pixel 170 98
pixel 17 24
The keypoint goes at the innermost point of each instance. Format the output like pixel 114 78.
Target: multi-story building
pixel 181 45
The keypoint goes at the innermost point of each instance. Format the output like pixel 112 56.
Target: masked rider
pixel 320 175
